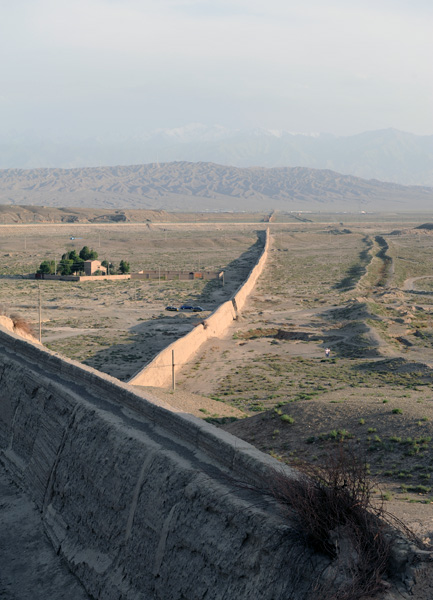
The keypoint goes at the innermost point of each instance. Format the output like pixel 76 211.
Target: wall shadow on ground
pixel 355 272
pixel 351 337
pixel 148 338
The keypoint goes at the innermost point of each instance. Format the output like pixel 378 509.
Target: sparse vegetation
pixel 118 327
pixel 287 419
pixel 333 507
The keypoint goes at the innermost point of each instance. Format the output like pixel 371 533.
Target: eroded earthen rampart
pixel 159 372
pixel 140 501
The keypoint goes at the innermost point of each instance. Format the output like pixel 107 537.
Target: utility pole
pixel 173 380
pixel 40 313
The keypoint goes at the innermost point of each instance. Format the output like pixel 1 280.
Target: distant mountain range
pixel 184 186
pixel 387 155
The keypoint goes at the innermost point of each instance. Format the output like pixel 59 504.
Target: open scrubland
pixel 357 285
pixel 355 288
pixel 118 326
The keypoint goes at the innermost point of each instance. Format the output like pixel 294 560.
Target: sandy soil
pixel 409 283
pixel 194 404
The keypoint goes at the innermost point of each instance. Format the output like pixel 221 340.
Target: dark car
pixel 187 307
pixel 197 309
pixel 171 308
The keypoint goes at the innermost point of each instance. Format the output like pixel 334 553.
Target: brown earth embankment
pixel 140 501
pixel 159 372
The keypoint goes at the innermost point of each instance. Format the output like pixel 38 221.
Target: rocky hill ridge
pixel 206 186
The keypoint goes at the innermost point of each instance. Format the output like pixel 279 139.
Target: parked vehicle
pixel 197 309
pixel 174 308
pixel 187 307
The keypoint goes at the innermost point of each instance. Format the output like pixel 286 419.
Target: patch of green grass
pixel 287 419
pixel 419 489
pixel 336 435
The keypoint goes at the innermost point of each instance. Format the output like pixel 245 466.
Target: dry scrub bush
pixel 22 324
pixel 333 513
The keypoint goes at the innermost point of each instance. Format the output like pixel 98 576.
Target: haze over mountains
pixel 185 186
pixel 387 155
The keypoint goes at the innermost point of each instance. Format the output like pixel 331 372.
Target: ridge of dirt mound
pixel 353 310
pixel 425 229
pixel 397 365
pixel 27 214
pixel 294 335
pixel 338 231
pixel 428 226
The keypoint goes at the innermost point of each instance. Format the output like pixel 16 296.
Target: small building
pixel 91 266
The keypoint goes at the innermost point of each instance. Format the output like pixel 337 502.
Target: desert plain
pixel 360 285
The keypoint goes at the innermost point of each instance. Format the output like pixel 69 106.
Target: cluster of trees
pixel 71 262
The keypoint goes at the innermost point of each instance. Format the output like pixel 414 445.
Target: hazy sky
pixel 100 67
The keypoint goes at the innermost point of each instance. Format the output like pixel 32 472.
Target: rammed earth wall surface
pixel 141 502
pixel 158 372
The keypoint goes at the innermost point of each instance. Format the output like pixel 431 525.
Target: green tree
pixel 47 267
pixel 66 266
pixel 124 267
pixel 72 255
pixel 87 253
pixel 79 265
pixel 109 266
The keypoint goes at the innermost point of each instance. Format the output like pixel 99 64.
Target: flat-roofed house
pixel 91 266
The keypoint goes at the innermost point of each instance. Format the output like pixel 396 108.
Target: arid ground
pixel 362 288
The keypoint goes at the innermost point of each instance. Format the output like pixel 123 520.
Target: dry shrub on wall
pixel 334 514
pixel 332 505
pixel 22 325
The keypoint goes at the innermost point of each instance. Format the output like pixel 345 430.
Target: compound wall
pixel 245 290
pixel 159 372
pixel 180 275
pixel 141 502
pixel 84 277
